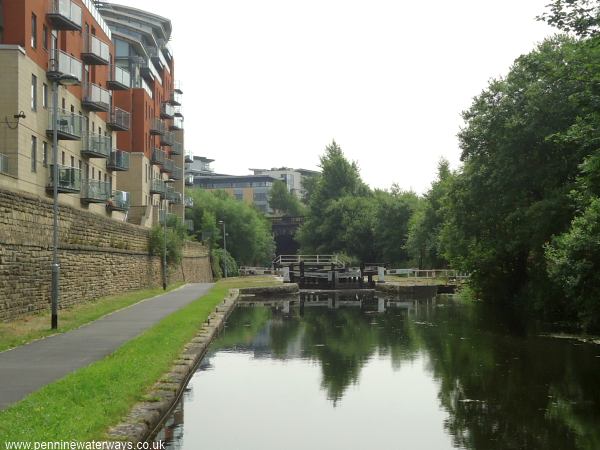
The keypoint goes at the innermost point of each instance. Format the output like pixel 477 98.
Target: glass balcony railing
pixel 3 163
pixel 96 146
pixel 119 201
pixel 177 123
pixel 119 161
pixel 119 120
pixel 167 111
pixel 176 173
pixel 176 98
pixel 167 139
pixel 157 126
pixel 95 51
pixel 96 98
pixel 68 125
pixel 189 156
pixel 63 66
pixel 95 191
pixel 170 217
pixel 178 111
pixel 158 156
pixel 188 202
pixel 119 78
pixel 69 179
pixel 177 86
pixel 189 179
pixel 176 148
pixel 167 166
pixel 158 187
pixel 65 15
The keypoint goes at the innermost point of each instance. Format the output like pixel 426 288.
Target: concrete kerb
pixel 146 417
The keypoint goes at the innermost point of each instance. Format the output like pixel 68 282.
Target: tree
pixel 581 17
pixel 283 201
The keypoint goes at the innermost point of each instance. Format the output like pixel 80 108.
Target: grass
pixel 36 326
pixel 83 405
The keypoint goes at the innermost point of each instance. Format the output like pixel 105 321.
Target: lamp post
pixel 222 222
pixel 61 79
pixel 166 208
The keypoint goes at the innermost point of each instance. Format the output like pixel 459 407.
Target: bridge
pixel 284 231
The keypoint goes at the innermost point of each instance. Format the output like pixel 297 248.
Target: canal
pixel 350 373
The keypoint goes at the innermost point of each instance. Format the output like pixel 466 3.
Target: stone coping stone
pixel 269 291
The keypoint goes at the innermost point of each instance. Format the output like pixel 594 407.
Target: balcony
pixel 174 197
pixel 69 179
pixel 189 225
pixel 158 187
pixel 170 217
pixel 63 66
pixel 177 173
pixel 119 161
pixel 118 202
pixel 189 156
pixel 157 126
pixel 68 125
pixel 167 139
pixel 95 191
pixel 189 179
pixel 167 166
pixel 177 86
pixel 96 146
pixel 176 148
pixel 158 157
pixel 179 111
pixel 175 98
pixel 95 98
pixel 95 51
pixel 119 79
pixel 119 120
pixel 177 124
pixel 167 111
pixel 64 15
pixel 3 163
pixel 188 202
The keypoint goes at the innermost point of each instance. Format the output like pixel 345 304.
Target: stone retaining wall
pixel 98 256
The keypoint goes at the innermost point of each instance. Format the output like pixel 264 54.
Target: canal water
pixel 368 373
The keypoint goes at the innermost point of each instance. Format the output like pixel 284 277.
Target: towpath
pixel 26 369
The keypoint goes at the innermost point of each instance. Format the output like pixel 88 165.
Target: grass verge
pixel 83 405
pixel 36 326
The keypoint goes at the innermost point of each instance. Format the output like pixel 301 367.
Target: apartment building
pixel 61 47
pixel 293 178
pixel 155 138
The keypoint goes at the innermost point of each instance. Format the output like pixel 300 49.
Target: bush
pixel 218 257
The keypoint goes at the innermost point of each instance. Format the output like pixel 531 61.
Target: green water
pixel 428 374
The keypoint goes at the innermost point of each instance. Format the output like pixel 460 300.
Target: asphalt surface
pixel 26 369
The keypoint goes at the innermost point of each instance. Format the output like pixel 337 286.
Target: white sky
pixel 271 82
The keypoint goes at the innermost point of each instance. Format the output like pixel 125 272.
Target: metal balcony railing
pixel 158 187
pixel 158 157
pixel 69 179
pixel 118 78
pixel 177 123
pixel 188 202
pixel 157 126
pixel 95 191
pixel 167 139
pixel 68 125
pixel 95 98
pixel 61 65
pixel 167 111
pixel 95 51
pixel 176 148
pixel 177 173
pixel 64 15
pixel 189 179
pixel 167 166
pixel 119 201
pixel 119 119
pixel 96 146
pixel 3 163
pixel 119 161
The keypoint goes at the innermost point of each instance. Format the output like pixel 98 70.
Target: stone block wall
pixel 98 256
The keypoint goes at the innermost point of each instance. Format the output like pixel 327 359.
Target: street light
pixel 169 180
pixel 64 80
pixel 222 222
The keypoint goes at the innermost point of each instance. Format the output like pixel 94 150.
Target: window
pixel 33 31
pixel 33 154
pixel 44 95
pixel 45 154
pixel 45 37
pixel 33 93
pixel 62 159
pixel 72 161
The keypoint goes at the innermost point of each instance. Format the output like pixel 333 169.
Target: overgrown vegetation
pixel 176 233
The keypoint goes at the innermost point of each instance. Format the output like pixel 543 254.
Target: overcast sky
pixel 271 82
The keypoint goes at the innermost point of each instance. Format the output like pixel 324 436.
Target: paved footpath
pixel 26 369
